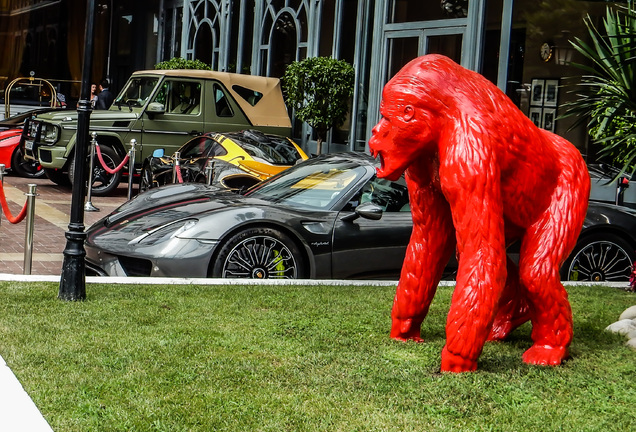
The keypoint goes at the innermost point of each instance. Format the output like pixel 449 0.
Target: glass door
pixel 404 46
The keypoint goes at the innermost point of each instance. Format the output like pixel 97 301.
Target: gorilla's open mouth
pixel 378 156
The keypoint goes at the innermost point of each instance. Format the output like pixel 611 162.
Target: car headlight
pixel 165 232
pixel 33 128
pixel 49 133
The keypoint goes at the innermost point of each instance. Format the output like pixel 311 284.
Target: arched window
pixel 284 35
pixel 283 41
pixel 204 30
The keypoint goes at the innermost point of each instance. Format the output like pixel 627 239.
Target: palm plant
pixel 608 89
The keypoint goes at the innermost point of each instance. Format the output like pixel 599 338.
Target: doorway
pixel 404 45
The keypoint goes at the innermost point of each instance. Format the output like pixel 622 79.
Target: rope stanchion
pixel 88 206
pixel 209 172
pixel 28 211
pixel 106 167
pixel 131 166
pixel 28 234
pixel 176 168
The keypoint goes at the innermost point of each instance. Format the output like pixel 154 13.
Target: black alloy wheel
pixel 103 182
pixel 57 176
pixel 259 253
pixel 600 258
pixel 25 168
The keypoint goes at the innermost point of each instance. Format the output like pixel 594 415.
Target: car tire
pixel 259 253
pixel 598 258
pixel 145 180
pixel 103 182
pixel 57 176
pixel 25 168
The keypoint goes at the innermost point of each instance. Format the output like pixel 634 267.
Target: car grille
pixel 135 266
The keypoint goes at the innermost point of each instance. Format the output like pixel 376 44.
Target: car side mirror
pixel 367 210
pixel 155 108
pixel 158 153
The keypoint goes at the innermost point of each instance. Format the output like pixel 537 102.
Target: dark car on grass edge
pixel 329 217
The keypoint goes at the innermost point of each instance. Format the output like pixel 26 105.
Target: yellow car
pixel 235 160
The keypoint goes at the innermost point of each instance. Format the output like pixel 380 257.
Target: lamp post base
pixel 73 279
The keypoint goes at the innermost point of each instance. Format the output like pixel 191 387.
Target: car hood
pixel 189 210
pixel 179 200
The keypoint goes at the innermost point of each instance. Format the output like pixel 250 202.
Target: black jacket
pixel 104 99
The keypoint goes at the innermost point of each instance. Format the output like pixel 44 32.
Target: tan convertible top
pixel 270 110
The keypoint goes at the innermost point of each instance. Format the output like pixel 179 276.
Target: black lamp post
pixel 73 280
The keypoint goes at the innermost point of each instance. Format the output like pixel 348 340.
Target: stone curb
pixel 211 281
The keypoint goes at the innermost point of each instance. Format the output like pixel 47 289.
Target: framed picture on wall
pixel 536 96
pixel 549 116
pixel 535 116
pixel 551 92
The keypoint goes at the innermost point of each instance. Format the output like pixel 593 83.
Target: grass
pixel 216 358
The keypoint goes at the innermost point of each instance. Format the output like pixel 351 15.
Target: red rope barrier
pixel 101 161
pixel 7 212
pixel 179 176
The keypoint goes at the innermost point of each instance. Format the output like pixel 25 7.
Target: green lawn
pixel 251 358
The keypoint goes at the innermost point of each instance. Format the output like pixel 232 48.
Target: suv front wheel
pixel 103 182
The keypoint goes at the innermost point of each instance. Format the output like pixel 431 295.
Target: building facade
pixel 520 45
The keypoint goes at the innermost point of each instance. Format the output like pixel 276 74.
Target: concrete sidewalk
pixel 18 413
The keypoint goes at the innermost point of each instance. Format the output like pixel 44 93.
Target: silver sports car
pixel 328 217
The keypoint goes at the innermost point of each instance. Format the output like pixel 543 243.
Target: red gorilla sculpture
pixel 480 175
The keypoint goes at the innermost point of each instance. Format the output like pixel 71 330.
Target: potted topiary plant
pixel 319 89
pixel 181 63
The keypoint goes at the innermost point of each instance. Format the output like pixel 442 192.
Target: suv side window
pixel 223 108
pixel 180 97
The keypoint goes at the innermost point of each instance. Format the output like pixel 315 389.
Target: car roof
pixel 270 109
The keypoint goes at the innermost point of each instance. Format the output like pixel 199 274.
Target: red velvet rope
pixel 7 212
pixel 179 176
pixel 101 161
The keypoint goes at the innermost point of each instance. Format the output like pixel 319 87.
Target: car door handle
pixel 195 133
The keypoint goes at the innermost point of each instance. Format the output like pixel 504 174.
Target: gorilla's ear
pixel 408 113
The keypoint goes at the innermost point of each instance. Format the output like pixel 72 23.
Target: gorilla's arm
pixel 470 179
pixel 432 243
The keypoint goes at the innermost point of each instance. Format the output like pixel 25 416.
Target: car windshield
pixel 268 148
pixel 137 91
pixel 311 185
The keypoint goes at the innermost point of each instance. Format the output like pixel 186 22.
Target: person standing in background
pixel 93 95
pixel 105 98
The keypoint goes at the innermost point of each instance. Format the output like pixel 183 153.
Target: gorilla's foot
pixel 546 355
pixel 405 330
pixel 455 363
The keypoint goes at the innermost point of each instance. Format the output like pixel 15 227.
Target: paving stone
pixel 52 216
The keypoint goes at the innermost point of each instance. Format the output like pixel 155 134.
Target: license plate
pixel 28 145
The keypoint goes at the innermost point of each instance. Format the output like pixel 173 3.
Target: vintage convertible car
pixel 238 160
pixel 327 217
